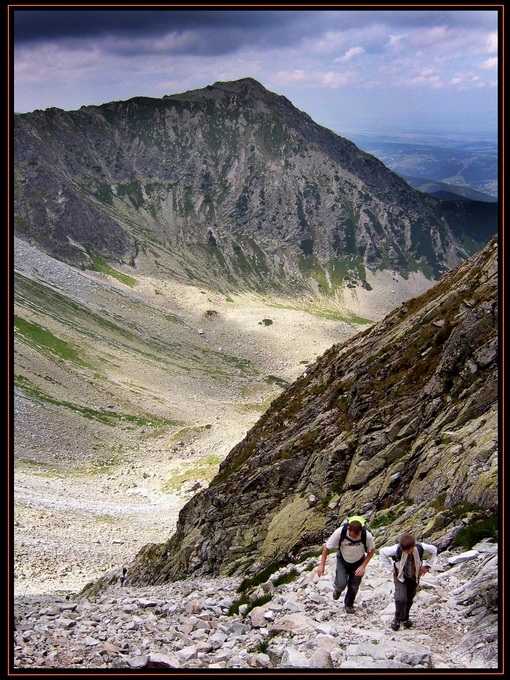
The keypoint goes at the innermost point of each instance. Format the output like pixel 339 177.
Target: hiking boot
pixel 336 594
pixel 408 623
pixel 394 625
pixel 349 610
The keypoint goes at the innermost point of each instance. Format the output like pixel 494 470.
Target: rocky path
pixel 189 624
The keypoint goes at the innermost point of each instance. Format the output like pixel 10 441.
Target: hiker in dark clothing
pixel 405 561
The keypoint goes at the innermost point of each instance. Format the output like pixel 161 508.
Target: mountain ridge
pixel 230 186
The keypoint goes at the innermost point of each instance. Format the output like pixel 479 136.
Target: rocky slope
pixel 133 382
pixel 399 423
pixel 126 399
pixel 70 527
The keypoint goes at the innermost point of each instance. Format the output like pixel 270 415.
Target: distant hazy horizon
pixel 440 137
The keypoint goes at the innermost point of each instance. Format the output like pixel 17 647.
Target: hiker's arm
pixel 385 555
pixel 322 566
pixel 361 569
pixel 432 552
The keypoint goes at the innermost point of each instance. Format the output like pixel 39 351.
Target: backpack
pixel 364 529
pixel 396 558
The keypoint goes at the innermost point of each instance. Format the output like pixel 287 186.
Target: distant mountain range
pixel 442 167
pixel 233 187
pixel 450 192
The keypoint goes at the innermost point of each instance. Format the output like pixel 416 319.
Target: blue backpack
pixel 396 558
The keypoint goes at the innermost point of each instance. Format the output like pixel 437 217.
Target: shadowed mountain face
pixel 229 186
pixel 399 423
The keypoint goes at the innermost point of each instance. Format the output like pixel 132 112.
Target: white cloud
pixel 401 58
pixel 327 79
pixel 333 79
pixel 426 77
pixel 56 63
pixel 330 42
pixel 290 76
pixel 466 81
pixel 353 52
pixel 167 44
pixel 491 63
pixel 492 41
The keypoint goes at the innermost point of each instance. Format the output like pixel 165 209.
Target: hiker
pixel 405 561
pixel 355 548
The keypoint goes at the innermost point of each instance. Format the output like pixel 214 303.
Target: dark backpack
pixel 363 535
pixel 396 558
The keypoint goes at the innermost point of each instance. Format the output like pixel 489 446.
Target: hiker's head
pixel 355 528
pixel 407 543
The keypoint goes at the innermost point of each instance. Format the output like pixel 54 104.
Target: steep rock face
pixel 233 186
pixel 398 423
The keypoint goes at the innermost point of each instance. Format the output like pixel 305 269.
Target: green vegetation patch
pixel 106 519
pixel 261 647
pixel 107 417
pixel 438 502
pixel 386 518
pixel 347 270
pixel 251 262
pixel 320 310
pixel 261 577
pixel 243 364
pixel 479 529
pixel 245 599
pixel 43 339
pixel 275 380
pixel 311 269
pixel 104 193
pixel 99 264
pixel 132 191
pixel 205 468
pixel 289 577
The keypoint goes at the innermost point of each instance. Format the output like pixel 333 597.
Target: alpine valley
pixel 233 328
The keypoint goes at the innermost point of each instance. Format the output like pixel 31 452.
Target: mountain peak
pixel 243 85
pixel 246 87
pixel 250 178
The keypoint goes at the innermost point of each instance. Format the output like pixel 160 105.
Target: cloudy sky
pixel 364 70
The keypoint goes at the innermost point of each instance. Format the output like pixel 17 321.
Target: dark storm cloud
pixel 31 25
pixel 211 31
